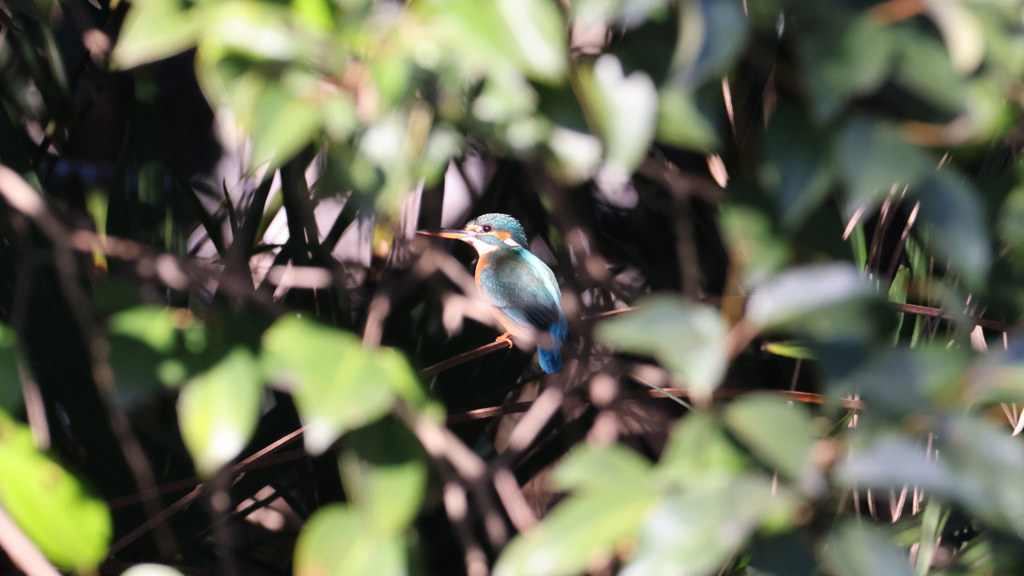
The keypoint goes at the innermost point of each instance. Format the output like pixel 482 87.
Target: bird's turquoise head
pixel 487 233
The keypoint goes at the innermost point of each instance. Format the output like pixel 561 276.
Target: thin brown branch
pixel 720 394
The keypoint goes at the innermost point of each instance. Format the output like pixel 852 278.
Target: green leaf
pixel 337 541
pixel 337 385
pixel 694 533
pixel 71 526
pixel 952 207
pixel 625 109
pixel 154 30
pixel 875 157
pixel 788 350
pixel 754 248
pixel 154 325
pixel 218 410
pixel 798 164
pixel 798 295
pixel 860 549
pixel 688 339
pixel 925 69
pixel 896 460
pixel 681 122
pixel 781 435
pixel 384 472
pixel 610 469
pixel 580 531
pixel 538 31
pixel 846 58
pixel 712 34
pixel 698 453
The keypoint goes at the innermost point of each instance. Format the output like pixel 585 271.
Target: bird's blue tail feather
pixel 551 358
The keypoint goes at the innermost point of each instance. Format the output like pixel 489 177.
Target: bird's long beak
pixel 447 233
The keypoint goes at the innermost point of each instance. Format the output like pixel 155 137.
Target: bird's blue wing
pixel 522 288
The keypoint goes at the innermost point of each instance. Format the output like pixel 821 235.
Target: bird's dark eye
pixel 486 228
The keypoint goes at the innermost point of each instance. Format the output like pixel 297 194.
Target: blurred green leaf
pixel 925 69
pixel 988 464
pixel 875 157
pixel 797 165
pixel 337 541
pixel 712 33
pixel 581 530
pixel 682 123
pixel 156 29
pixel 384 472
pixel 754 248
pixel 846 58
pixel 156 326
pixel 781 434
pixel 860 549
pixel 699 453
pixel 625 109
pixel 788 350
pixel 688 339
pixel 951 206
pixel 538 30
pixel 798 295
pixel 337 385
pixel 71 526
pixel 607 469
pixel 694 533
pixel 962 32
pixel 218 410
pixel 896 460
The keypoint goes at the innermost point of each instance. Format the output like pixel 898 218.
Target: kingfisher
pixel 519 287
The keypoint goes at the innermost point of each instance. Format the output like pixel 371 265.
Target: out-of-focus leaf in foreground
pixel 70 526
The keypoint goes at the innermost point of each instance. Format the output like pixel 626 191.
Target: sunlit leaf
pixel 625 109
pixel 962 32
pixel 71 526
pixel 337 541
pixel 156 326
pixel 218 410
pixel 156 29
pixel 337 385
pixel 539 34
pixel 687 339
pixel 578 532
pixel 694 533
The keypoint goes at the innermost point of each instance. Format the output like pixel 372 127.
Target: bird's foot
pixel 506 337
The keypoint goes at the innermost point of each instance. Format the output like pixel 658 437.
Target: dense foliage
pixel 790 236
